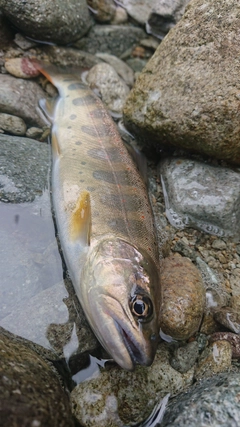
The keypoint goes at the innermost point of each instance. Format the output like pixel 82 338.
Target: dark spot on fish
pixel 96 131
pixel 69 127
pixel 75 86
pixel 118 177
pixel 84 100
pixel 117 201
pixel 72 117
pixel 91 188
pixel 111 154
pixel 98 114
pixel 83 163
pixel 80 172
pixel 81 180
pixel 78 142
pixel 119 225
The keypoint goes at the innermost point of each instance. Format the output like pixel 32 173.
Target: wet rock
pixel 183 297
pixel 21 67
pixel 103 10
pixel 23 43
pixel 113 39
pixel 69 57
pixel 120 16
pixel 123 70
pixel 56 22
pixel 116 397
pixel 184 357
pixel 12 124
pixel 188 93
pixel 31 393
pixel 229 318
pixel 215 359
pixel 112 88
pixel 214 401
pixel 202 196
pixel 24 168
pixel 164 15
pixel 233 339
pixel 137 64
pixel 20 98
pixel 34 132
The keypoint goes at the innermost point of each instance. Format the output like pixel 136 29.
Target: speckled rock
pixel 69 57
pixel 123 70
pixel 103 10
pixel 229 318
pixel 183 297
pixel 113 39
pixel 30 390
pixel 203 196
pixel 55 22
pixel 213 402
pixel 12 124
pixel 20 98
pixel 215 359
pixel 188 93
pixel 233 339
pixel 184 357
pixel 34 132
pixel 116 397
pixel 111 87
pixel 21 67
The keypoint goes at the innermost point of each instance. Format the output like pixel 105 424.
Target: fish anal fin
pixel 80 222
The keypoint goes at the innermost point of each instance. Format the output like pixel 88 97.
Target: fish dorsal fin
pixel 80 221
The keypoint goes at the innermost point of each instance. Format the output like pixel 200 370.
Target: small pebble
pixel 233 339
pixel 184 357
pixel 229 318
pixel 21 67
pixel 215 359
pixel 219 244
pixel 12 124
pixel 34 132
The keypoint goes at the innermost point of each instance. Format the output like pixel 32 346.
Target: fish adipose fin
pixel 80 222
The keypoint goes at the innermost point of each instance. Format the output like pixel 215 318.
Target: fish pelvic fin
pixel 80 222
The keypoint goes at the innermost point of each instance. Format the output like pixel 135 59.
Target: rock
pixel 34 132
pixel 21 67
pixel 183 297
pixel 112 39
pixel 103 10
pixel 24 168
pixel 120 16
pixel 31 393
pixel 201 195
pixel 116 397
pixel 164 15
pixel 23 43
pixel 69 57
pixel 20 98
pixel 56 22
pixel 12 124
pixel 123 70
pixel 215 359
pixel 112 89
pixel 214 402
pixel 229 318
pixel 188 94
pixel 233 339
pixel 184 357
pixel 219 244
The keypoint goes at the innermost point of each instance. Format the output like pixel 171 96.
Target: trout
pixel 105 224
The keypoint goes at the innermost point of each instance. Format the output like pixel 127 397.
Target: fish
pixel 104 222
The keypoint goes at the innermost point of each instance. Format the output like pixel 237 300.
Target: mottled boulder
pixel 188 94
pixel 57 22
pixel 30 390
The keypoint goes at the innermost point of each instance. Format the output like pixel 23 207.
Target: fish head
pixel 122 301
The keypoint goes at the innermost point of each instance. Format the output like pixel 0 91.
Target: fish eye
pixel 141 307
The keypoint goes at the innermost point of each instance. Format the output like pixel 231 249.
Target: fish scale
pixel 105 224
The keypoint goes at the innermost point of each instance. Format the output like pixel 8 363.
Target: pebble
pixel 21 67
pixel 184 357
pixel 214 359
pixel 120 16
pixel 34 132
pixel 23 43
pixel 12 124
pixel 116 398
pixel 123 70
pixel 103 10
pixel 233 339
pixel 229 318
pixel 183 297
pixel 112 89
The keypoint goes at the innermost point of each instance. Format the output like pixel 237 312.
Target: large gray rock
pixel 56 22
pixel 188 94
pixel 212 402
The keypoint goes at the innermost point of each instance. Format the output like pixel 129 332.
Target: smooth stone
pixel 54 22
pixel 213 401
pixel 20 98
pixel 183 297
pixel 229 318
pixel 112 39
pixel 123 70
pixel 12 124
pixel 112 89
pixel 191 101
pixel 120 17
pixel 21 67
pixel 214 359
pixel 232 338
pixel 202 196
pixel 117 398
pixel 34 132
pixel 184 357
pixel 30 389
pixel 24 168
pixel 103 10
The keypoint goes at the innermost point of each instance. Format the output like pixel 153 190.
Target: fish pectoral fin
pixel 80 222
pixel 48 106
